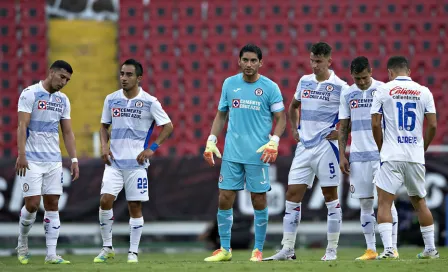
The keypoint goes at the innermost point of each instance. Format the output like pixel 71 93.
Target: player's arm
pixel 430 114
pixel 293 116
pixel 70 144
pixel 22 163
pixel 344 130
pixel 280 123
pixel 377 130
pixel 106 154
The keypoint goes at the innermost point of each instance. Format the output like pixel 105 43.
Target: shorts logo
pixel 329 88
pixel 42 105
pixel 354 104
pixel 58 100
pixel 258 92
pixel 352 189
pixel 139 104
pixel 26 187
pixel 235 103
pixel 115 112
pixel 221 178
pixel 62 177
pixel 306 94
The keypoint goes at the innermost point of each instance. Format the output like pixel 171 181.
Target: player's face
pixel 319 64
pixel 363 80
pixel 59 78
pixel 128 77
pixel 249 63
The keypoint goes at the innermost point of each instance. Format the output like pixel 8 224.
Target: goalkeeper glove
pixel 211 149
pixel 270 150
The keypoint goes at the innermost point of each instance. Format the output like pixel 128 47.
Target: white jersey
pixel 132 123
pixel 47 110
pixel 403 104
pixel 319 107
pixel 355 105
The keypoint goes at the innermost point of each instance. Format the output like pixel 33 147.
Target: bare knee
pixel 51 202
pixel 258 200
pixel 107 201
pixel 296 192
pixel 330 193
pixel 135 209
pixel 226 199
pixel 32 203
pixel 418 203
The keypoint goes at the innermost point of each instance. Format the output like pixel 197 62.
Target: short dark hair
pixel 138 66
pixel 359 64
pixel 61 64
pixel 251 48
pixel 321 48
pixel 397 63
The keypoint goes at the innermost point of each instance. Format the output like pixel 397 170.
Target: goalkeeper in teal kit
pixel 251 102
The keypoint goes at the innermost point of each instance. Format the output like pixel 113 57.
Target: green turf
pixel 308 260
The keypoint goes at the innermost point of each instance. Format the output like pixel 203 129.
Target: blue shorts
pixel 234 174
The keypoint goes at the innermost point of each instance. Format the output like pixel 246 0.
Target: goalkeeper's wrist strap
pixel 154 147
pixel 212 138
pixel 275 138
pixel 74 160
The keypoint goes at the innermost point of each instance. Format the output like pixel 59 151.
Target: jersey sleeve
pixel 223 104
pixel 159 114
pixel 276 99
pixel 26 101
pixel 429 105
pixel 106 117
pixel 377 103
pixel 344 107
pixel 298 93
pixel 67 109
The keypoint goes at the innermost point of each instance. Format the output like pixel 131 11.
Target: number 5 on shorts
pixel 142 183
pixel 331 165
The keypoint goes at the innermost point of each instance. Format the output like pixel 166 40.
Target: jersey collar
pixel 403 78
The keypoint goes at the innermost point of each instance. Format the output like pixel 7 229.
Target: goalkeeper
pixel 250 101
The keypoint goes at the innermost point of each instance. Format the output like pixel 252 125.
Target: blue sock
pixel 260 225
pixel 225 221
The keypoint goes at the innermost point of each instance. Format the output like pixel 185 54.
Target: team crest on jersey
pixel 306 94
pixel 373 92
pixel 221 178
pixel 42 105
pixel 26 187
pixel 58 99
pixel 235 103
pixel 116 112
pixel 329 88
pixel 258 92
pixel 139 104
pixel 354 104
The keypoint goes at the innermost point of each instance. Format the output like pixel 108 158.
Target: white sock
pixel 52 225
pixel 428 237
pixel 106 221
pixel 385 230
pixel 334 220
pixel 394 226
pixel 136 228
pixel 368 222
pixel 291 221
pixel 26 221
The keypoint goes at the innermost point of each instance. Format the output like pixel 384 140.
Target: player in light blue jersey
pixel 251 102
pixel 317 154
pixel 364 156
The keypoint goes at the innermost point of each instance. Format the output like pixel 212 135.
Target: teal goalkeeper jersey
pixel 251 107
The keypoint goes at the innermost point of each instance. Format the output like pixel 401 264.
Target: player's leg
pixel 32 190
pixel 52 190
pixel 394 228
pixel 326 165
pixel 258 183
pixel 362 188
pixel 300 177
pixel 111 186
pixel 136 187
pixel 415 184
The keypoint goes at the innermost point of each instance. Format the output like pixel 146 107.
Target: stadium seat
pixel 132 29
pixel 308 9
pixel 337 10
pixel 33 30
pixel 162 47
pixel 192 28
pixel 163 65
pixel 8 30
pixel 131 11
pixel 190 9
pixel 162 28
pixel 29 79
pixel 250 9
pixel 365 9
pixel 279 10
pixel 32 11
pixel 9 66
pixel 162 9
pixel 36 65
pixel 192 65
pixel 34 47
pixel 7 12
pixel 395 10
pixel 9 101
pixel 132 49
pixel 191 47
pixel 8 49
pixel 424 9
pixel 222 29
pixel 220 11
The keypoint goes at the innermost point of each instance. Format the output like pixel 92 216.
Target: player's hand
pixel 211 149
pixel 270 150
pixel 332 136
pixel 344 165
pixel 21 165
pixel 295 135
pixel 144 155
pixel 107 156
pixel 74 170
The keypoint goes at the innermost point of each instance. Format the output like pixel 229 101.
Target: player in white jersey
pixel 318 96
pixel 132 112
pixel 364 156
pixel 401 106
pixel 41 108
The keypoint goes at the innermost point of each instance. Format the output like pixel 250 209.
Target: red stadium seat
pixel 162 28
pixel 395 10
pixel 190 9
pixel 34 47
pixel 365 9
pixel 131 11
pixel 192 28
pixel 222 29
pixel 32 11
pixel 307 9
pixel 132 49
pixel 249 9
pixel 163 65
pixel 8 30
pixel 192 47
pixel 8 49
pixel 337 10
pixel 219 11
pixel 162 47
pixel 132 29
pixel 34 30
pixel 9 66
pixel 35 65
pixel 279 10
pixel 7 12
pixel 162 9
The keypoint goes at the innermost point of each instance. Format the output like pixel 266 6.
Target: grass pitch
pixel 308 260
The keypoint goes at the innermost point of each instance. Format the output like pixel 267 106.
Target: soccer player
pixel 364 156
pixel 132 112
pixel 41 108
pixel 317 154
pixel 250 101
pixel 401 105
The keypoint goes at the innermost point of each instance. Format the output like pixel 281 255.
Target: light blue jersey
pixel 250 107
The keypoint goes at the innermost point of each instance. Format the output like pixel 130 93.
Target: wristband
pixel 275 138
pixel 212 138
pixel 154 147
pixel 74 160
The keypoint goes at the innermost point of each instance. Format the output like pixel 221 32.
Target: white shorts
pixel 135 183
pixel 43 178
pixel 393 174
pixel 361 178
pixel 321 161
